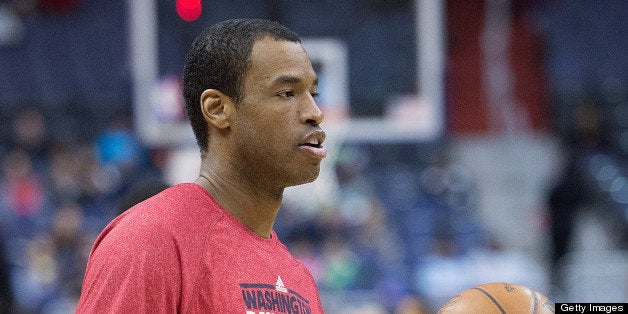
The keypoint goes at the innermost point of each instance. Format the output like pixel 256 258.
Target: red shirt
pixel 180 252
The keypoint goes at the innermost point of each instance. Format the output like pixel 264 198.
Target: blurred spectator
pixel 34 280
pixel 49 276
pixel 118 167
pixel 6 290
pixel 100 188
pixel 98 179
pixel 411 304
pixel 341 266
pixel 378 249
pixel 365 223
pixel 355 195
pixel 64 173
pixel 443 273
pixel 23 208
pixel 589 133
pixel 55 195
pixel 140 191
pixel 565 200
pixel 71 248
pixel 357 201
pixel 118 146
pixel 303 246
pixel 449 270
pixel 29 130
pixel 496 263
pixel 574 190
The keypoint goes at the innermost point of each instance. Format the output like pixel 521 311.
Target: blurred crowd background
pixel 536 196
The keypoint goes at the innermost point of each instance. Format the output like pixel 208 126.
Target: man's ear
pixel 217 108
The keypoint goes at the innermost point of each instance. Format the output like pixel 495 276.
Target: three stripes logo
pixel 279 286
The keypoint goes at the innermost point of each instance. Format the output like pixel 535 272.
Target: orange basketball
pixel 498 298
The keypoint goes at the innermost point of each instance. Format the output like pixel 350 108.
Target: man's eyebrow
pixel 291 79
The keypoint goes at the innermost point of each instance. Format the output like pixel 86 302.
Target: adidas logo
pixel 279 286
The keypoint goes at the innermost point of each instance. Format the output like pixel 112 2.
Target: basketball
pixel 499 298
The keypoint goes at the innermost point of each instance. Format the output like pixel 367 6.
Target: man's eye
pixel 315 95
pixel 287 94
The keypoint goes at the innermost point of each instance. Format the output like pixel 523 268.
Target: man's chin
pixel 306 179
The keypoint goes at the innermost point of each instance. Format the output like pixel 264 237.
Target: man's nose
pixel 311 113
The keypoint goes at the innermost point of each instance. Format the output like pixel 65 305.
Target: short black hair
pixel 219 59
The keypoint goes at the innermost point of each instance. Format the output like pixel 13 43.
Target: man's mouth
pixel 313 144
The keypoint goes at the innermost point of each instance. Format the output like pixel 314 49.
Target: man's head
pixel 219 59
pixel 250 91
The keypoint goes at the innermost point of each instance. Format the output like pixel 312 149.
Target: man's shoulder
pixel 179 203
pixel 176 212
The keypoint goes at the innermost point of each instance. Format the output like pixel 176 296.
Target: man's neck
pixel 254 207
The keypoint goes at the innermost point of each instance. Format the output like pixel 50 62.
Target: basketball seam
pixel 492 299
pixel 536 302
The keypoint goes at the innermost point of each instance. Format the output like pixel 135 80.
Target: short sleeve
pixel 133 268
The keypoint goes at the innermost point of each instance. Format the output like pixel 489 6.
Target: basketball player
pixel 209 246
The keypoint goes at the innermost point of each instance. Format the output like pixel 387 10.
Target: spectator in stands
pixel 494 262
pixel 23 204
pixel 573 192
pixel 341 266
pixel 118 146
pixel 140 191
pixel 304 246
pixel 411 304
pixel 30 134
pixel 71 246
pixel 64 173
pixel 364 217
pixel 6 289
pixel 443 273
